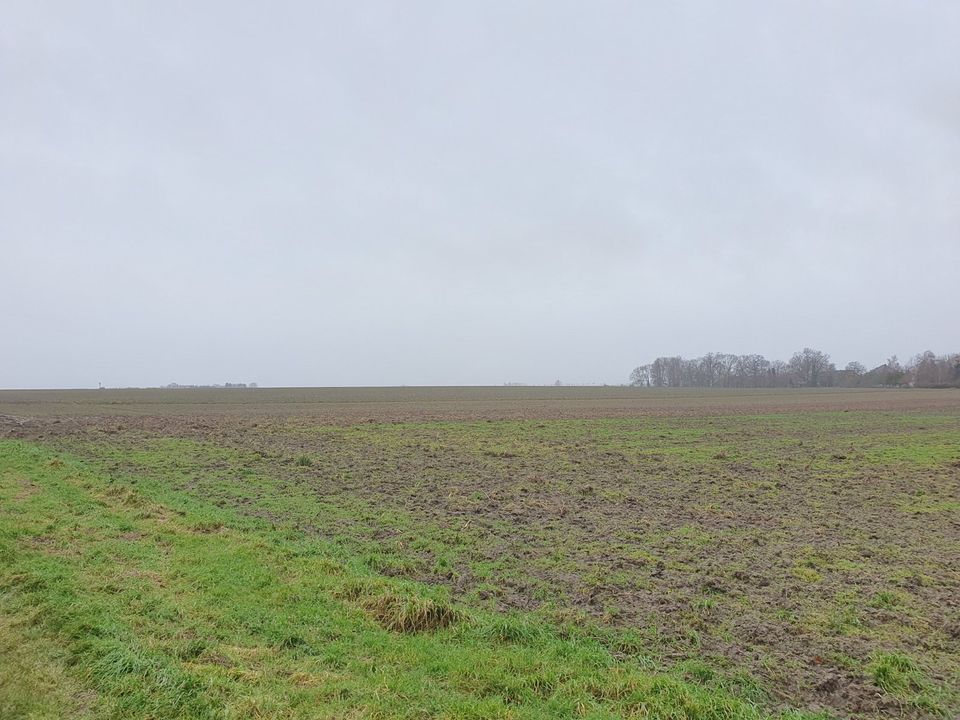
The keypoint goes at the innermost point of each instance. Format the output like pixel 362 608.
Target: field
pixel 479 553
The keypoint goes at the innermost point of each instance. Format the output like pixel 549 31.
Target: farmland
pixel 479 552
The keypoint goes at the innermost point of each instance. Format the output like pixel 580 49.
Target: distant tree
pixel 779 374
pixel 924 370
pixel 894 372
pixel 807 368
pixel 751 370
pixel 708 370
pixel 855 369
pixel 929 370
pixel 658 374
pixel 673 367
pixel 811 367
pixel 640 376
pixel 852 375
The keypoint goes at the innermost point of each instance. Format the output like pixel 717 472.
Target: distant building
pixel 178 386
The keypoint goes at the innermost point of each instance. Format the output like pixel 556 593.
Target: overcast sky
pixel 367 193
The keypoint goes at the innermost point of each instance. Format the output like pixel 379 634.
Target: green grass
pixel 34 679
pixel 901 676
pixel 122 601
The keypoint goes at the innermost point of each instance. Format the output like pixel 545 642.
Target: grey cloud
pixel 386 193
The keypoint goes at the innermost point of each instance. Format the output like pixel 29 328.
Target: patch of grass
pixel 513 629
pixel 931 505
pixel 35 679
pixel 157 619
pixel 401 611
pixel 896 674
pixel 845 620
pixel 408 614
pixel 902 677
pixel 740 536
pixel 807 574
pixel 885 600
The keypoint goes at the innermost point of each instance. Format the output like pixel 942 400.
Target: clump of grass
pixel 355 589
pixel 207 526
pixel 896 674
pixel 697 671
pixel 900 676
pixel 189 649
pixel 844 620
pixel 126 496
pixel 394 611
pixel 885 600
pixel 513 629
pixel 408 614
pixel 303 461
pixel 807 574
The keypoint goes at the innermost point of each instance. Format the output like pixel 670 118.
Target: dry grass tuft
pixel 399 613
pixel 408 614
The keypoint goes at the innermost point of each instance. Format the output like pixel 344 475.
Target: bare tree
pixel 929 370
pixel 894 372
pixel 807 368
pixel 811 367
pixel 854 368
pixel 658 375
pixel 640 376
pixel 751 370
pixel 852 374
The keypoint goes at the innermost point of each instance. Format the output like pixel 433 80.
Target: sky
pixel 431 193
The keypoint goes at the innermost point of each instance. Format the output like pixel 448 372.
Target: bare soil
pixel 791 536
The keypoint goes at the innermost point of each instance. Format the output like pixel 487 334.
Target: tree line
pixel 807 368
